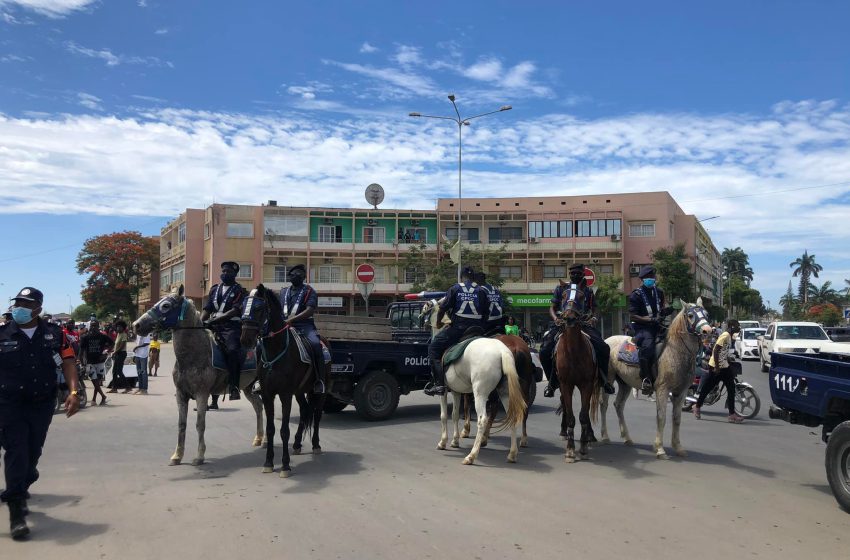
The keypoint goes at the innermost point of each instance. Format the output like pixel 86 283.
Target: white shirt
pixel 142 351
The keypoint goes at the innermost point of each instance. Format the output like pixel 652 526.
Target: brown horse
pixel 525 370
pixel 575 367
pixel 282 374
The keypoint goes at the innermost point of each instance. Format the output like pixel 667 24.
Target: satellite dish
pixel 374 194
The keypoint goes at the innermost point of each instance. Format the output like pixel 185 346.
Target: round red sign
pixel 589 277
pixel 365 273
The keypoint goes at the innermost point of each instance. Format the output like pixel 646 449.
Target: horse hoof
pixel 257 442
pixel 483 444
pixel 511 459
pixel 296 451
pixel 285 474
pixel 197 462
pixel 662 455
pixel 441 446
pixel 569 460
pixel 628 442
pixel 523 443
pixel 174 462
pixel 681 453
pixel 603 441
pixel 467 461
pixel 455 444
pixel 464 434
pixel 267 470
pixel 317 451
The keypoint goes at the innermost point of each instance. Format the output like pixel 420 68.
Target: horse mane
pixel 272 301
pixel 192 314
pixel 678 330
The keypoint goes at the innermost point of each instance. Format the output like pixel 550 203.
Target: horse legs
pixel 201 399
pixel 504 396
pixel 257 403
pixel 603 411
pixel 317 403
pixel 457 399
pixel 587 436
pixel 481 413
pixel 286 410
pixel 677 422
pixel 182 413
pixel 467 414
pixel 570 418
pixel 444 421
pixel 661 396
pixel 623 392
pixel 303 411
pixel 268 407
pixel 492 411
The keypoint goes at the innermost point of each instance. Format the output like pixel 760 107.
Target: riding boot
pixel 551 386
pixel 648 382
pixel 438 384
pixel 603 381
pixel 17 521
pixel 546 362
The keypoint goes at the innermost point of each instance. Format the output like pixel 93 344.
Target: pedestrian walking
pixel 94 347
pixel 140 353
pixel 153 355
pixel 31 350
pixel 119 354
pixel 720 370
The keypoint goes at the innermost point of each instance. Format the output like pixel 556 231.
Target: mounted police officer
pixel 496 317
pixel 468 305
pixel 299 302
pixel 588 326
pixel 221 313
pixel 646 310
pixel 31 352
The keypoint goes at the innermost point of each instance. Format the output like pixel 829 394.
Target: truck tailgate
pixel 806 383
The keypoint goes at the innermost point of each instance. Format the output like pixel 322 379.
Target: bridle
pixel 574 308
pixel 256 302
pixel 168 310
pixel 696 319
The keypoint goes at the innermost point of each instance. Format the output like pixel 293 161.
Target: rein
pixel 264 361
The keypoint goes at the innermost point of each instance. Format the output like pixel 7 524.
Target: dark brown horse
pixel 282 374
pixel 525 370
pixel 575 367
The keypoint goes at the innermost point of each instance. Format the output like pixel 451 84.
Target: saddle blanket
pixel 304 350
pixel 628 353
pixel 248 364
pixel 454 353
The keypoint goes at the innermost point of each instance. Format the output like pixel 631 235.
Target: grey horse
pixel 675 374
pixel 194 375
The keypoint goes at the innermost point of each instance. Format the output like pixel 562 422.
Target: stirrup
pixel 319 387
pixel 255 388
pixel 433 389
pixel 647 386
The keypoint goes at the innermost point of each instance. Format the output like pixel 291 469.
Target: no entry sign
pixel 365 273
pixel 589 277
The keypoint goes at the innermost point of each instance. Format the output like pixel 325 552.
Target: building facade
pixel 538 239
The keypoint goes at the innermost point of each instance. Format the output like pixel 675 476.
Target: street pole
pixel 461 122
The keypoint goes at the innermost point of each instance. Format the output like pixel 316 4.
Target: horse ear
pixel 562 282
pixel 699 301
pixel 180 290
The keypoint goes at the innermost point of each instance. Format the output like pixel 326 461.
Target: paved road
pixel 382 490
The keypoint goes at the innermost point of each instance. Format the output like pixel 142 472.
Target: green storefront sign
pixel 530 300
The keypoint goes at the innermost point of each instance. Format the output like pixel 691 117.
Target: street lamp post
pixel 461 122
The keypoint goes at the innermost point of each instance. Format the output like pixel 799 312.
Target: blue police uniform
pixel 27 400
pixel 295 300
pixel 646 302
pixel 495 312
pixel 222 299
pixel 468 306
pixel 560 297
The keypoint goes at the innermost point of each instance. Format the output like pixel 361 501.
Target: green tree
pixel 674 272
pixel 116 263
pixel 805 267
pixel 82 312
pixel 736 262
pixel 609 293
pixel 791 308
pixel 825 294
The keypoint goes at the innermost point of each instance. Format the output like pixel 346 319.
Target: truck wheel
pixel 333 405
pixel 764 366
pixel 376 395
pixel 838 464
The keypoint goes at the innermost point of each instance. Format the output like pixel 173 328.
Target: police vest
pixel 467 302
pixel 494 298
pixel 222 298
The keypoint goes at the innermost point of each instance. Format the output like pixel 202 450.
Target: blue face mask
pixel 649 282
pixel 21 315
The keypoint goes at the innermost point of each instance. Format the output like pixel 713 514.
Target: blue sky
pixel 117 114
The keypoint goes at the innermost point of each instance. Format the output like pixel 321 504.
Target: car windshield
pixel 805 332
pixel 752 335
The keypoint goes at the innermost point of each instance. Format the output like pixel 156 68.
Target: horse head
pixel 255 314
pixel 695 318
pixel 573 309
pixel 168 313
pixel 430 313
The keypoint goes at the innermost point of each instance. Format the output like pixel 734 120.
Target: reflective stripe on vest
pixel 467 302
pixel 495 300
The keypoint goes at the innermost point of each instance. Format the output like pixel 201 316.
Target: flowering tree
pixel 115 264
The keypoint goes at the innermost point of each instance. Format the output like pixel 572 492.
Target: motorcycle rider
pixel 720 370
pixel 646 310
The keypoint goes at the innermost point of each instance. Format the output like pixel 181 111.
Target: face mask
pixel 649 282
pixel 296 278
pixel 21 315
pixel 228 277
pixel 576 278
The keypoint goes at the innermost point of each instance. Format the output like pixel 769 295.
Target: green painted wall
pixel 344 222
pixel 387 223
pixel 429 225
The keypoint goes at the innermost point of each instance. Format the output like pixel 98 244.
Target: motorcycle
pixel 747 401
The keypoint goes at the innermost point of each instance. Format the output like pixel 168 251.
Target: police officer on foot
pixel 31 350
pixel 468 305
pixel 221 313
pixel 299 302
pixel 646 309
pixel 559 301
pixel 495 315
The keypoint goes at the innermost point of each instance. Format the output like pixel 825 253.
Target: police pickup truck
pixel 814 390
pixel 376 359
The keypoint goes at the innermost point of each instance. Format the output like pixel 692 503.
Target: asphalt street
pixel 383 490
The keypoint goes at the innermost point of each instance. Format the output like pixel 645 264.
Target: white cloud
pixel 407 55
pixel 50 8
pixel 488 70
pixel 162 31
pixel 13 58
pixel 112 59
pixel 404 82
pixel 89 101
pixel 308 91
pixel 368 49
pixel 142 3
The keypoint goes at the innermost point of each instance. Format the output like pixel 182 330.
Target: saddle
pixel 628 352
pixel 455 352
pixel 249 361
pixel 304 349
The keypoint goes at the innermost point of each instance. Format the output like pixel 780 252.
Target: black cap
pixel 232 264
pixel 30 294
pixel 577 266
pixel 300 267
pixel 647 270
pixel 467 271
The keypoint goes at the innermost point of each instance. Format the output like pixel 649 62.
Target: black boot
pixel 17 522
pixel 233 393
pixel 437 385
pixel 648 383
pixel 214 404
pixel 603 381
pixel 551 387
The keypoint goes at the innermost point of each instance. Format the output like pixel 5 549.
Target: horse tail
pixel 595 399
pixel 305 411
pixel 516 399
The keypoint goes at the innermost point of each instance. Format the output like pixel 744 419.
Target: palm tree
pixel 806 267
pixel 824 294
pixel 736 262
pixel 847 289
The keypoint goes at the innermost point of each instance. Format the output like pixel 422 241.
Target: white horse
pixel 486 365
pixel 675 374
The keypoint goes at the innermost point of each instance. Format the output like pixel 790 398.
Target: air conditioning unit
pixel 616 237
pixel 329 220
pixel 532 240
pixel 634 269
pixel 371 222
